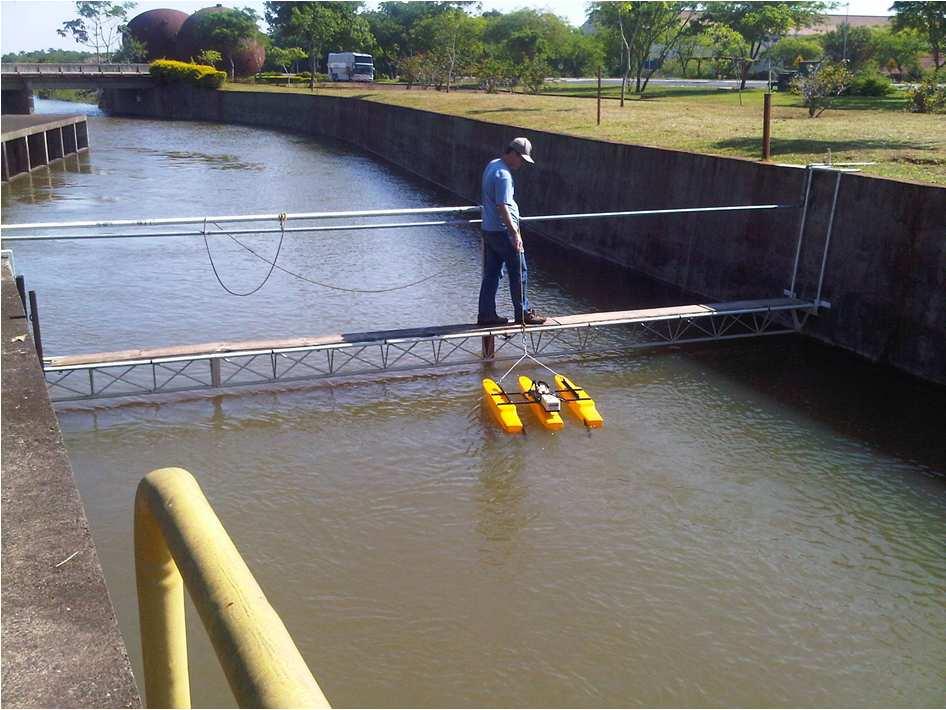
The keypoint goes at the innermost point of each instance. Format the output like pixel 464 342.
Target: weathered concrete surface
pixel 886 268
pixel 61 646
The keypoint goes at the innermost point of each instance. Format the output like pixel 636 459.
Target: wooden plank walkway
pixel 462 330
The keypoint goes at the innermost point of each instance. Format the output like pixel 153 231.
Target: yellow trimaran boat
pixel 502 404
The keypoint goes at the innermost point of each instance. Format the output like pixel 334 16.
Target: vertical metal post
pixel 37 335
pixel 801 233
pixel 767 127
pixel 827 240
pixel 599 96
pixel 215 372
pixel 489 347
pixel 21 289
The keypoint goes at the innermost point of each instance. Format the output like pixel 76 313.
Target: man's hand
pixel 516 240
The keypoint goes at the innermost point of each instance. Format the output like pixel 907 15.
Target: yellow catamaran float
pixel 544 402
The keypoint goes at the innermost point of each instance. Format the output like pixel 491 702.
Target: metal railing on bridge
pixel 41 68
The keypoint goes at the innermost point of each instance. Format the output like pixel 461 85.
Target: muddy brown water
pixel 759 522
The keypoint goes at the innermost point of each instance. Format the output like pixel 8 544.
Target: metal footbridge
pixel 231 364
pixel 214 366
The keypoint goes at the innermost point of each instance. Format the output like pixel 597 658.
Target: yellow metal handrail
pixel 179 541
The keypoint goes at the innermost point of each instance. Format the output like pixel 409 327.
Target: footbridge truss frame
pixel 221 366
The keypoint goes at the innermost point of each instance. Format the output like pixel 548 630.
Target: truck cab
pixel 350 66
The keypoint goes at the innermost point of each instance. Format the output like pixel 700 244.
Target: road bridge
pixel 21 79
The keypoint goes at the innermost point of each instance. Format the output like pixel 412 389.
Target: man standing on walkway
pixel 502 241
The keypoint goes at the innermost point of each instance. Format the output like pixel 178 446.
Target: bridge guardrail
pixel 78 68
pixel 180 541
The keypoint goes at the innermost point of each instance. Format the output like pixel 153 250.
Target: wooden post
pixel 767 126
pixel 599 96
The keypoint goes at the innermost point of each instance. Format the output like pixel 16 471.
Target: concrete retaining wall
pixel 60 638
pixel 886 269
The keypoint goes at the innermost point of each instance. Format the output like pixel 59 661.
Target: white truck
pixel 350 66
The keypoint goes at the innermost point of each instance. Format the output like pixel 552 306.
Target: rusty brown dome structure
pixel 158 29
pixel 192 39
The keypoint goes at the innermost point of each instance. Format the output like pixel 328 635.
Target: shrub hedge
pixel 929 97
pixel 870 83
pixel 168 71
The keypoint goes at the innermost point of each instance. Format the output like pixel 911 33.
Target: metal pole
pixel 801 233
pixel 21 289
pixel 388 225
pixel 599 96
pixel 37 335
pixel 827 240
pixel 767 127
pixel 241 218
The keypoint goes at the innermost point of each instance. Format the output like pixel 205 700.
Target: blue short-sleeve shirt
pixel 498 190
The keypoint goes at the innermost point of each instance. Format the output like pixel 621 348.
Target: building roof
pixel 833 22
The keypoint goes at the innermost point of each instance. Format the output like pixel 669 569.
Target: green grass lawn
pixel 904 145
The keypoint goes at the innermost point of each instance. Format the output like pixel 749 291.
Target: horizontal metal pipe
pixel 235 232
pixel 390 225
pixel 240 218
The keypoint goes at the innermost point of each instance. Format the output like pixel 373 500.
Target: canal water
pixel 759 523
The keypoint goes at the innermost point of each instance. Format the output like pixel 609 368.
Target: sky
pixel 32 24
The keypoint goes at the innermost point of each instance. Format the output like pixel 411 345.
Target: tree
pixel 647 33
pixel 285 57
pixel 392 25
pixel 727 47
pixel 319 27
pixel 47 56
pixel 760 23
pixel 853 45
pixel 453 39
pixel 99 25
pixel 492 72
pixel 532 74
pixel 210 57
pixel 927 18
pixel 819 89
pixel 411 68
pixel 789 51
pixel 898 50
pixel 133 49
pixel 227 31
pixel 313 25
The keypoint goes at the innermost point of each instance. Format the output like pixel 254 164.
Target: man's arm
pixel 514 235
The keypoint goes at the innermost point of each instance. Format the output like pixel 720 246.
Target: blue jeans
pixel 498 250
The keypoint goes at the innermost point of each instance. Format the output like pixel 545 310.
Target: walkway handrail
pixel 179 541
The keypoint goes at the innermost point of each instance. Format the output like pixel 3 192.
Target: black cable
pixel 332 286
pixel 272 267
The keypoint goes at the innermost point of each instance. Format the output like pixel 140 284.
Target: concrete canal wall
pixel 885 274
pixel 32 142
pixel 60 638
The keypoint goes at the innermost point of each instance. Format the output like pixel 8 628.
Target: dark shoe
pixel 498 320
pixel 530 317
